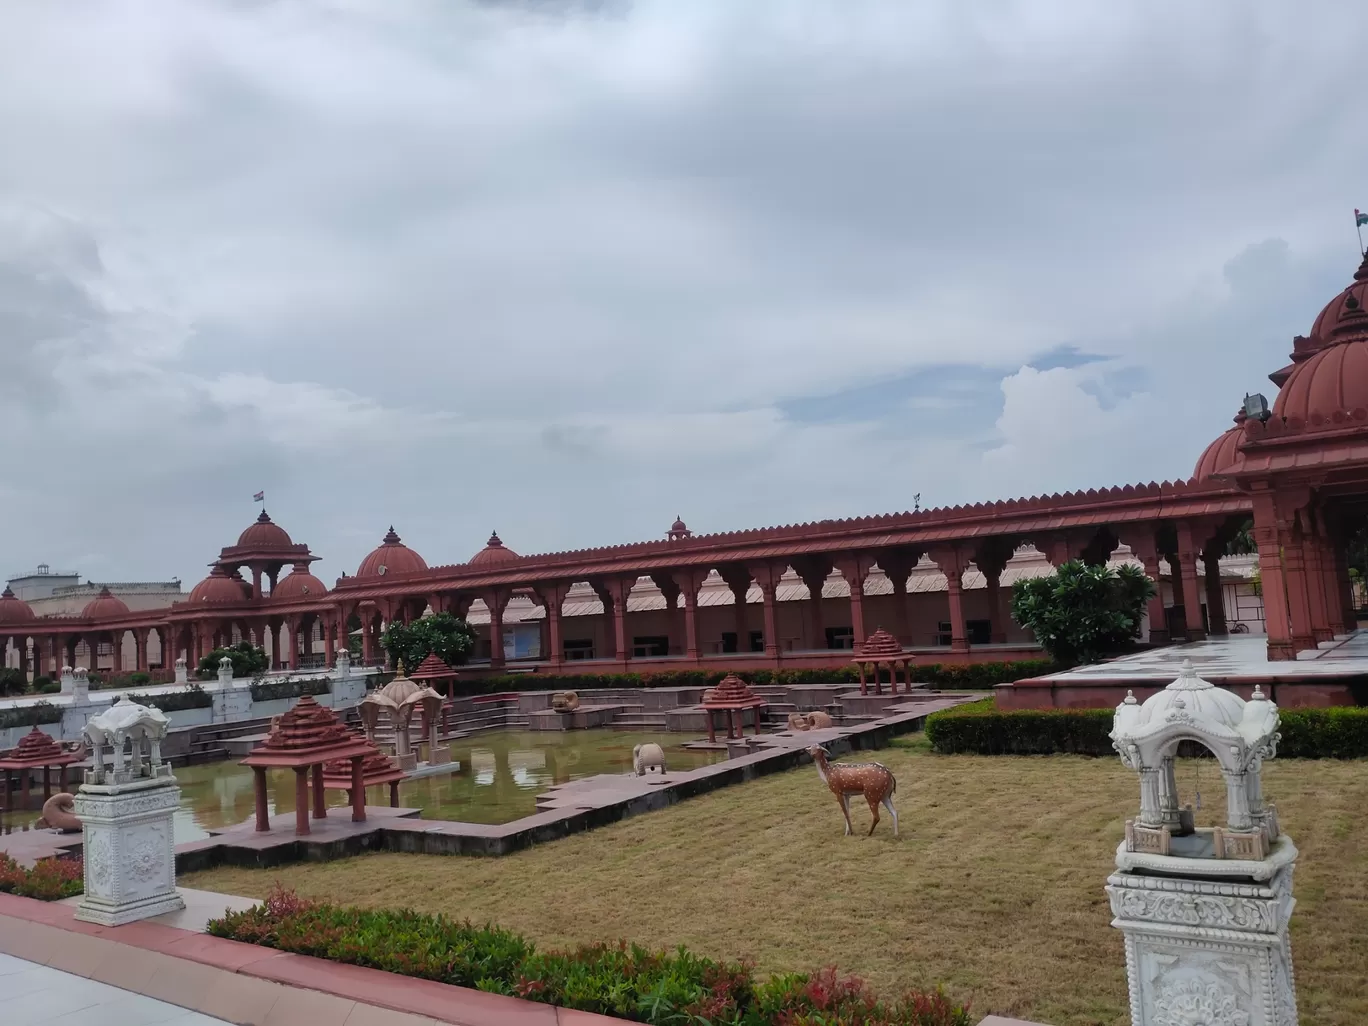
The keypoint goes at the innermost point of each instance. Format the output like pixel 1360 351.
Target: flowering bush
pixel 48 880
pixel 624 980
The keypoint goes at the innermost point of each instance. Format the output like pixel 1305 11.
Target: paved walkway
pixel 34 995
pixel 1239 655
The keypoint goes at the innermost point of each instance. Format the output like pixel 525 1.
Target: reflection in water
pixel 499 778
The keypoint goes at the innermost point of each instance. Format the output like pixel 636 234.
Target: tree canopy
pixel 1082 613
pixel 449 637
pixel 248 661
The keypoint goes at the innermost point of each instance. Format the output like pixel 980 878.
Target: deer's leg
pixel 888 804
pixel 844 799
pixel 874 811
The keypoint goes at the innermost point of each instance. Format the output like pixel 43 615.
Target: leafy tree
pixel 449 637
pixel 1082 613
pixel 1242 542
pixel 12 681
pixel 248 661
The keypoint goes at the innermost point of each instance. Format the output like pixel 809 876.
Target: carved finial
pixel 1258 695
pixel 399 668
pixel 1130 698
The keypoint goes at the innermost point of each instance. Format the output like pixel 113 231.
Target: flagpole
pixel 1358 227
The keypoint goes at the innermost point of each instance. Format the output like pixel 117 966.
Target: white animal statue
pixel 871 779
pixel 647 755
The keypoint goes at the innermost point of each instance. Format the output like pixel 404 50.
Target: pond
pixel 499 778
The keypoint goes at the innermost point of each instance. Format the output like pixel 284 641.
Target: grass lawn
pixel 994 888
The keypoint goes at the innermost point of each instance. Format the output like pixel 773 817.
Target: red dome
pixel 13 610
pixel 495 551
pixel 392 557
pixel 220 587
pixel 299 584
pixel 1222 453
pixel 264 534
pixel 1344 316
pixel 104 605
pixel 1328 390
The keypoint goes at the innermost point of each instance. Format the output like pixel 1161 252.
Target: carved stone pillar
pixel 855 569
pixel 688 582
pixel 952 561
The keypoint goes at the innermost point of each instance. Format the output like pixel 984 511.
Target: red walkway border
pixel 24 921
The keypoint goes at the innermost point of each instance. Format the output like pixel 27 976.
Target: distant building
pixel 63 594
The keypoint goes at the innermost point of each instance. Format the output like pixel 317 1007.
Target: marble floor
pixel 34 995
pixel 1239 655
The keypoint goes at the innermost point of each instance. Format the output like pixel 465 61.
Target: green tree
pixel 1242 543
pixel 1082 613
pixel 12 681
pixel 449 637
pixel 248 661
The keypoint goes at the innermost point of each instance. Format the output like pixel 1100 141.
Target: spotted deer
pixel 870 779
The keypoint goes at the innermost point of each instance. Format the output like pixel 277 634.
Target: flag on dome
pixel 1360 218
pixel 259 497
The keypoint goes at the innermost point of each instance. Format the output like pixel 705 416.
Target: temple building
pixel 1290 479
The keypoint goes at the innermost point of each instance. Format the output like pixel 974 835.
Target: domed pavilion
pixel 265 548
pixel 1304 464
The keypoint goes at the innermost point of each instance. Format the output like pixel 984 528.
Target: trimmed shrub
pixel 967 676
pixel 622 980
pixel 46 686
pixel 289 687
pixel 48 880
pixel 1339 733
pixel 193 697
pixel 980 728
pixel 30 715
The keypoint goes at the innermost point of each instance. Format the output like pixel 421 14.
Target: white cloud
pixel 558 269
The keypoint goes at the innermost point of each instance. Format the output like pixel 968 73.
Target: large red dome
pixel 103 606
pixel 264 534
pixel 12 609
pixel 392 557
pixel 299 584
pixel 1328 390
pixel 220 587
pixel 494 552
pixel 1222 453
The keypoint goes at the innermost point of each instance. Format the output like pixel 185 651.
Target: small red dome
pixel 220 587
pixel 264 534
pixel 1221 453
pixel 392 557
pixel 1344 316
pixel 495 551
pixel 13 610
pixel 1328 390
pixel 104 605
pixel 300 584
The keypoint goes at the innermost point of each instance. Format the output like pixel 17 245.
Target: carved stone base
pixel 438 755
pixel 408 761
pixel 129 850
pixel 1202 952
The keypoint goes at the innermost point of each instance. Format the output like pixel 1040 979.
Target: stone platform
pixel 583 718
pixel 1333 675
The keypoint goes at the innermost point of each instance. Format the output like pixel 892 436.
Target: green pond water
pixel 499 777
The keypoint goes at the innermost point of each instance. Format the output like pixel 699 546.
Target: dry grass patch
pixel 994 888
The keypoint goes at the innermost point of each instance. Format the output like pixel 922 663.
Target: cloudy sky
pixel 567 269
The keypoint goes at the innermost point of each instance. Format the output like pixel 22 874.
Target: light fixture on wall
pixel 1256 406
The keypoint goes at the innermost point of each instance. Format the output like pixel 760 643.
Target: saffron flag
pixel 259 497
pixel 1360 218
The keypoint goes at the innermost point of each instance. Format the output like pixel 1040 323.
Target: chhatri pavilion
pixel 802 595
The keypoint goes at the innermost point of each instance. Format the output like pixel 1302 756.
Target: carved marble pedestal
pixel 129 850
pixel 1209 950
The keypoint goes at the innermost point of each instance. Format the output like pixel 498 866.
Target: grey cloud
pixel 429 263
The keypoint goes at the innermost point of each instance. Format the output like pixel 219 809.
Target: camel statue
pixel 647 755
pixel 59 814
pixel 565 701
pixel 871 779
pixel 809 721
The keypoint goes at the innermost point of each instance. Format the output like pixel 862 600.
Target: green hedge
pixel 621 980
pixel 1340 733
pixel 269 690
pixel 46 880
pixel 193 697
pixel 955 676
pixel 980 728
pixel 30 715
